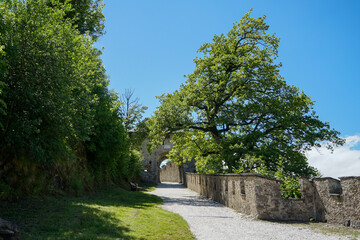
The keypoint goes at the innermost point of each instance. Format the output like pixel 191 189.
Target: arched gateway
pixel 153 160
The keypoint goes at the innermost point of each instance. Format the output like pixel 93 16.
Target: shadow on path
pixel 170 185
pixel 184 198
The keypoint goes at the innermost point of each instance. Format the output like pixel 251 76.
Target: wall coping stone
pixel 324 178
pixel 350 177
pixel 238 174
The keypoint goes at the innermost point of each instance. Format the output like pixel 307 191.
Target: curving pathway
pixel 210 220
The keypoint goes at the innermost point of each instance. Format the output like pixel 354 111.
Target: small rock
pixel 8 230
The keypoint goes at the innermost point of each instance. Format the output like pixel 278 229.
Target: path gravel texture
pixel 210 220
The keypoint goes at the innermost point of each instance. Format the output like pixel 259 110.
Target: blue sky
pixel 149 47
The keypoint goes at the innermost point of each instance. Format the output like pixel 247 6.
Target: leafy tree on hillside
pixel 235 113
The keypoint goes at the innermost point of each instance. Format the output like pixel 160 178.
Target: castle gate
pixel 153 160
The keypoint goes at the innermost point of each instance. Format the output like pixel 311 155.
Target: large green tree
pixel 235 113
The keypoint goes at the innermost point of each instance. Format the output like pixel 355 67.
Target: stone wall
pixel 171 172
pixel 322 199
pixel 254 195
pixel 337 201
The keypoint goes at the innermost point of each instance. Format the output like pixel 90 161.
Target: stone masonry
pixel 323 199
pixel 153 160
pixel 171 172
pixel 338 201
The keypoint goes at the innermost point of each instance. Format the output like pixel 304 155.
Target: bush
pixel 290 188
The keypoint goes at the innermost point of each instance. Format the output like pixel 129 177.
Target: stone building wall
pixel 171 172
pixel 323 199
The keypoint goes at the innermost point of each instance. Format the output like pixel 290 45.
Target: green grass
pixel 328 229
pixel 148 186
pixel 107 214
pixel 325 228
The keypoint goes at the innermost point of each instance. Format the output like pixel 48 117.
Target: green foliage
pixel 290 188
pixel 236 106
pixel 134 166
pixel 51 70
pixel 108 147
pixel 138 136
pixel 61 128
pixel 86 15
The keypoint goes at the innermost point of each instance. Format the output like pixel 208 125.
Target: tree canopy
pixel 86 15
pixel 235 113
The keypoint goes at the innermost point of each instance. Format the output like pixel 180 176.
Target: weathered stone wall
pixel 254 195
pixel 324 199
pixel 338 202
pixel 170 172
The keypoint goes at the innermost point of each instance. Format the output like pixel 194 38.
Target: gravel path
pixel 210 220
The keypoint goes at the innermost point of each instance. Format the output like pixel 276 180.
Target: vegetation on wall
pixel 60 126
pixel 235 113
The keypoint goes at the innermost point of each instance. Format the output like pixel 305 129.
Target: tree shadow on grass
pixel 88 217
pixel 83 223
pixel 118 197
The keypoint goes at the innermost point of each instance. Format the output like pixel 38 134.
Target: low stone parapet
pixel 323 199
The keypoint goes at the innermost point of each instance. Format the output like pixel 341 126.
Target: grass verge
pixel 325 228
pixel 148 186
pixel 111 213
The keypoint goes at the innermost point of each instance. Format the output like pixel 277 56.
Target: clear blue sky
pixel 150 45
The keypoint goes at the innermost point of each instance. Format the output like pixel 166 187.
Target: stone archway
pixel 153 160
